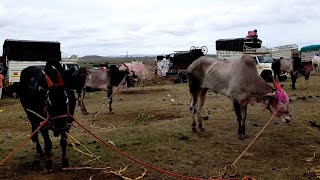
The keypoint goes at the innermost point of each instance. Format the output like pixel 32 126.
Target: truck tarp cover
pixel 22 50
pixel 183 60
pixel 311 48
pixel 236 44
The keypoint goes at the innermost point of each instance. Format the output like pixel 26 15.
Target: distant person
pixel 1 83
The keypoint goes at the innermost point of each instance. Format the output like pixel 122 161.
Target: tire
pixel 267 76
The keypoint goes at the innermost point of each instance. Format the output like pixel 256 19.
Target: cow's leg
pixel 142 81
pixel 294 76
pixel 63 144
pixel 35 140
pixel 193 108
pixel 201 101
pixel 47 149
pixel 72 102
pixel 81 95
pixel 241 112
pixel 110 94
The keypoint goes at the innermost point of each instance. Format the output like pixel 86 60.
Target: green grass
pixel 152 128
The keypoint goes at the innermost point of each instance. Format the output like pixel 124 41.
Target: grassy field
pixel 151 127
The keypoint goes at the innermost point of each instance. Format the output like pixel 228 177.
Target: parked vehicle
pixel 175 64
pixel 19 54
pixel 234 49
pixel 308 52
pixel 286 51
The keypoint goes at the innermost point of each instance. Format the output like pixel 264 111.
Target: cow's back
pixel 32 87
pixel 227 77
pixel 316 60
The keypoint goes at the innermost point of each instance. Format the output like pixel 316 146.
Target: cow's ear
pixel 270 95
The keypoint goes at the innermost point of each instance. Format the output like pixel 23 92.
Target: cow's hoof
pixel 47 171
pixel 202 129
pixel 194 129
pixel 36 164
pixel 85 113
pixel 242 136
pixel 65 162
pixel 48 164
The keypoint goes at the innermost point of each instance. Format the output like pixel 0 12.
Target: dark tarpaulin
pixel 24 50
pixel 237 44
pixel 182 60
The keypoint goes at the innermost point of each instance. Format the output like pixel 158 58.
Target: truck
pixel 19 54
pixel 308 52
pixel 234 49
pixel 286 51
pixel 175 64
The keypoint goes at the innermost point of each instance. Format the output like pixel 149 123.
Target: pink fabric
pixel 308 68
pixel 141 70
pixel 280 94
pixel 251 34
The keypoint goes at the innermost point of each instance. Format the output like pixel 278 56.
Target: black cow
pixel 292 66
pixel 100 80
pixel 42 90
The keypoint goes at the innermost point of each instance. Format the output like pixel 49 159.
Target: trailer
pixel 286 51
pixel 19 54
pixel 175 64
pixel 308 52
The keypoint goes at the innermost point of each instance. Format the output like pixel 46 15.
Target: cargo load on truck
pixel 235 48
pixel 20 54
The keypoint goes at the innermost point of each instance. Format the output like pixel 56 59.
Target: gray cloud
pixel 107 27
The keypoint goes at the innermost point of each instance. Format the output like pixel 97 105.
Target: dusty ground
pixel 152 128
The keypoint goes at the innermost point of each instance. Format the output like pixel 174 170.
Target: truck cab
pixel 234 49
pixel 264 63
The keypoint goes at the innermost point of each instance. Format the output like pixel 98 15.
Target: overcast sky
pixel 113 27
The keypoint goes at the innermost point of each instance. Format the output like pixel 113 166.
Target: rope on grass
pixel 140 161
pixel 24 142
pixel 95 116
pixel 74 139
pixel 90 153
pixel 228 168
pixel 317 132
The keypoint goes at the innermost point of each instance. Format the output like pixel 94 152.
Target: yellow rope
pixel 91 154
pixel 253 141
pixel 95 116
pixel 317 132
pixel 233 165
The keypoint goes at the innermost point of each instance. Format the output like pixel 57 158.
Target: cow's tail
pixel 194 83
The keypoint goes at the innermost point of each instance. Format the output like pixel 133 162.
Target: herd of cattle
pixel 50 92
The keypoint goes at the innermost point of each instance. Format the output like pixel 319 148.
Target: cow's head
pixel 279 103
pixel 57 105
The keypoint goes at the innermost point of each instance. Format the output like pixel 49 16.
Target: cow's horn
pixel 49 82
pixel 124 65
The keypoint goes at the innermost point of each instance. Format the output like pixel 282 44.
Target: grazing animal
pixel 238 80
pixel 292 66
pixel 98 79
pixel 44 90
pixel 316 62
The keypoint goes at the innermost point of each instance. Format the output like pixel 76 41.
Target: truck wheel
pixel 267 76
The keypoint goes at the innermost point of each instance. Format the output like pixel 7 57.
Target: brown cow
pixel 238 80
